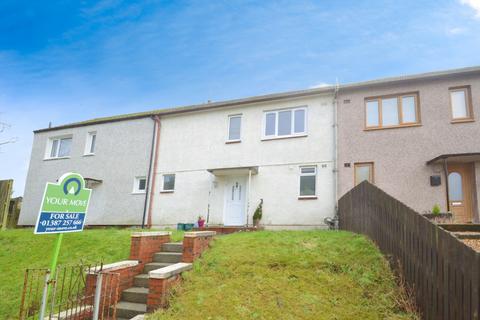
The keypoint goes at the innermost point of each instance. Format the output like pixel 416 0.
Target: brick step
pixel 155 265
pixel 172 247
pixel 135 294
pixel 167 257
pixel 141 280
pixel 129 310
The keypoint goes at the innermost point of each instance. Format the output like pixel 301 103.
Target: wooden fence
pixel 443 272
pixel 5 196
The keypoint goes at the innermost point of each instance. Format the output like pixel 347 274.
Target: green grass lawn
pixel 288 275
pixel 21 249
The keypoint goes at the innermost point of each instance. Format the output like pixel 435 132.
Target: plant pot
pixel 443 215
pixel 201 223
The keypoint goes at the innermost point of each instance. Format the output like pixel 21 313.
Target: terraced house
pixel 414 136
pixel 215 160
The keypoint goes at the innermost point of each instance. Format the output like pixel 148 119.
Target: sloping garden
pixel 289 275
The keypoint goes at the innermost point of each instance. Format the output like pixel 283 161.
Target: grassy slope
pixel 288 275
pixel 21 249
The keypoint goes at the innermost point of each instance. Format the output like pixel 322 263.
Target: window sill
pixel 139 192
pixel 307 198
pixel 88 154
pixel 57 158
pixel 167 191
pixel 232 141
pixel 466 120
pixel 393 127
pixel 284 137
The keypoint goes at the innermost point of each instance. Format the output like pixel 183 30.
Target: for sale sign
pixel 64 205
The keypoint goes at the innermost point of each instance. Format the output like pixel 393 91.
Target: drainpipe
pixel 152 148
pixel 445 169
pixel 154 173
pixel 249 193
pixel 335 146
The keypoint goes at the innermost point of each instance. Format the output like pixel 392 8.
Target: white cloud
pixel 474 4
pixel 455 31
pixel 320 85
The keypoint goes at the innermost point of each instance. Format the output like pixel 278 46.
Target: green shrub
pixel 257 215
pixel 436 209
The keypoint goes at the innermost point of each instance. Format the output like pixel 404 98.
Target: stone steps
pixel 129 310
pixel 167 257
pixel 134 299
pixel 172 247
pixel 155 265
pixel 135 294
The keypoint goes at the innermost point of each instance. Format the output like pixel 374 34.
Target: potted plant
pixel 201 222
pixel 257 215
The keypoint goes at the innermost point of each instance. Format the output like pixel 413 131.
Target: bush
pixel 436 209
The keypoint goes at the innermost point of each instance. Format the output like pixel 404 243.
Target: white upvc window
pixel 234 128
pixel 285 123
pixel 91 143
pixel 168 184
pixel 308 182
pixel 140 184
pixel 59 147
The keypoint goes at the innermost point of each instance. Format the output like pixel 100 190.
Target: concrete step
pixel 155 265
pixel 135 294
pixel 168 257
pixel 141 280
pixel 129 310
pixel 172 247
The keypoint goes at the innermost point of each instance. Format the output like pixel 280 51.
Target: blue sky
pixel 64 61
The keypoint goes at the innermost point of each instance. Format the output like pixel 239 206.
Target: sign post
pixel 63 209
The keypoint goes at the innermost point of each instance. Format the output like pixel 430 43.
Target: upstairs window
pixel 234 128
pixel 140 185
pixel 308 177
pixel 91 141
pixel 392 111
pixel 285 123
pixel 461 104
pixel 168 183
pixel 60 147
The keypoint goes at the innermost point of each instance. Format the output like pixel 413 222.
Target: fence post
pixel 96 299
pixel 41 315
pixel 6 187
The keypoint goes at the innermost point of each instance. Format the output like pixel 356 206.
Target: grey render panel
pixel 122 152
pixel 400 154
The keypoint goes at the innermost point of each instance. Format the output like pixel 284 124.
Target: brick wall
pixel 194 243
pixel 145 244
pixel 159 291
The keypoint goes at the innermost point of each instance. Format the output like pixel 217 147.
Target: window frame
pixel 370 164
pixel 292 123
pixel 50 143
pixel 401 124
pixel 163 190
pixel 468 103
pixel 89 142
pixel 300 175
pixel 136 185
pixel 228 140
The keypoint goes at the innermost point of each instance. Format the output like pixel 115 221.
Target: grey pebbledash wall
pixel 122 152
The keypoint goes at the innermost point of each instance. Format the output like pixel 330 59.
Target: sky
pixel 66 61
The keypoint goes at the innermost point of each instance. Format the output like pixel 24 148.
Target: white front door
pixel 235 192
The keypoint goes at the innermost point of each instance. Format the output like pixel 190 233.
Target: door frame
pixel 229 179
pixel 468 180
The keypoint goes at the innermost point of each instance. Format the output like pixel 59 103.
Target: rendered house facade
pixel 416 137
pixel 216 160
